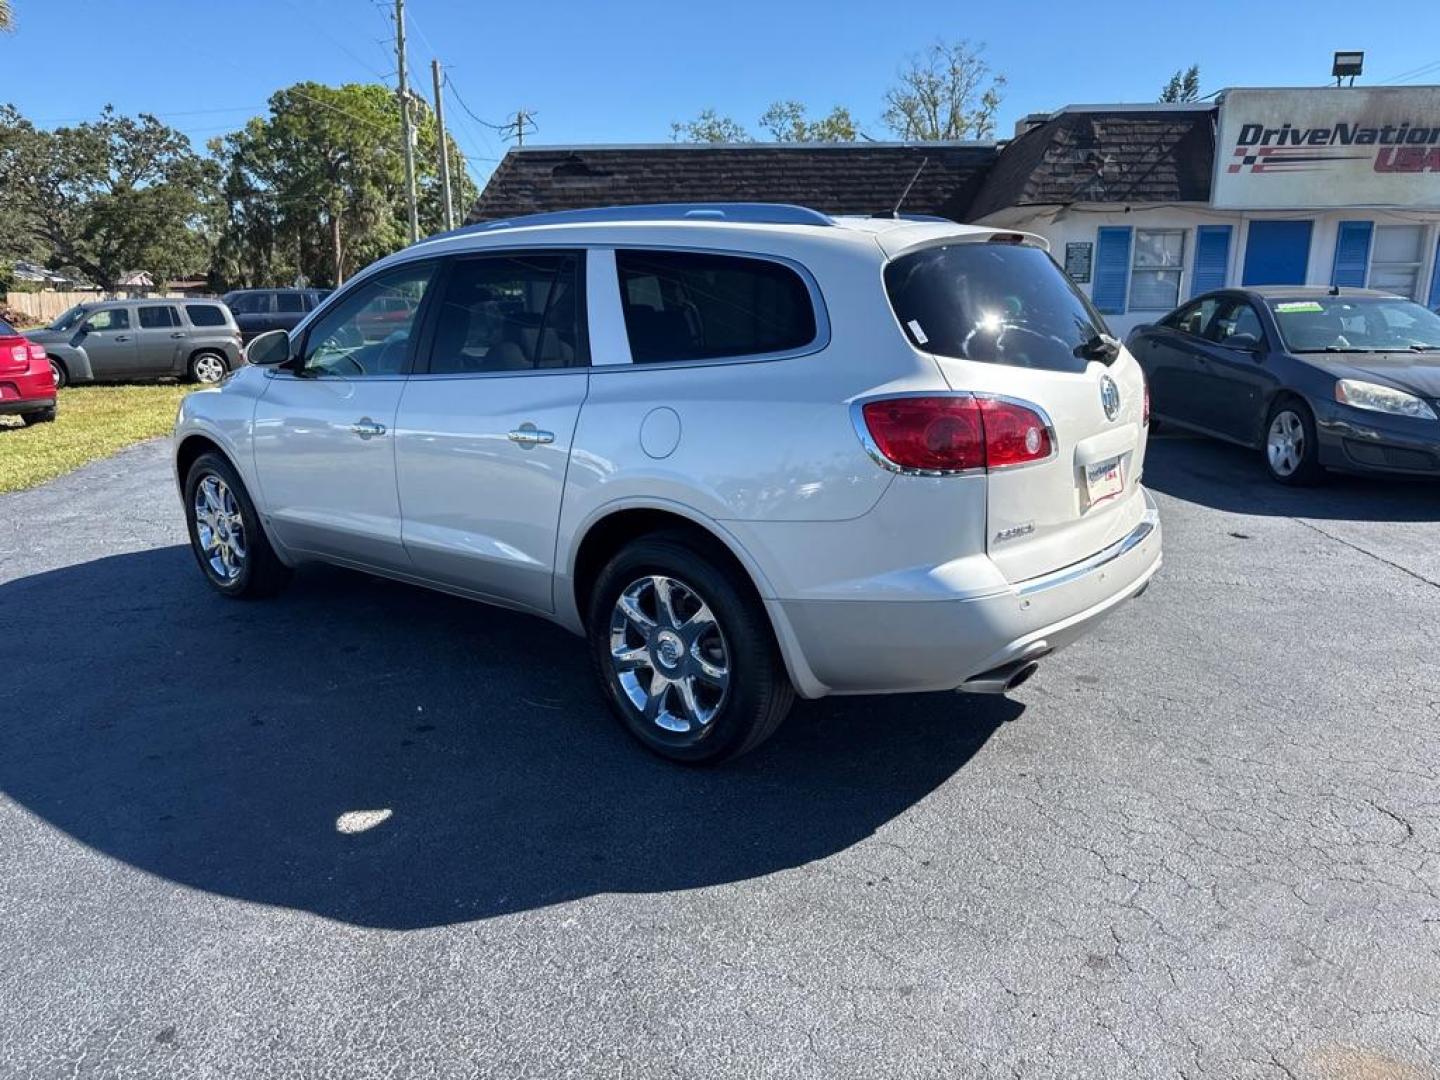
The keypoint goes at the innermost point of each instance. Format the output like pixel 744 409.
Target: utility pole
pixel 520 120
pixel 448 211
pixel 403 92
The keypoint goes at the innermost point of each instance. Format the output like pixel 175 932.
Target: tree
pixel 709 127
pixel 945 92
pixel 787 121
pixel 1183 85
pixel 106 197
pixel 7 16
pixel 316 188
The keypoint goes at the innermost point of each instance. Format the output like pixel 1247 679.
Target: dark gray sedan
pixel 1315 378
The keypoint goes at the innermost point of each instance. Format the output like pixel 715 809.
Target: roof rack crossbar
pixel 743 212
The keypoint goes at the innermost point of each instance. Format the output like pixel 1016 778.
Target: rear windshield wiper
pixel 1100 347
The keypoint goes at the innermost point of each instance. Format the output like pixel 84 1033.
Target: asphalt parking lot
pixel 1204 842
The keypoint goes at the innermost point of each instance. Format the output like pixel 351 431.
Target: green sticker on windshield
pixel 1298 305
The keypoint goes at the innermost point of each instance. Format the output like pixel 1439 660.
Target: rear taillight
pixel 37 352
pixel 944 434
pixel 20 353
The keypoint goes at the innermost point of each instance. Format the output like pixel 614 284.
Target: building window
pixel 1155 272
pixel 1396 258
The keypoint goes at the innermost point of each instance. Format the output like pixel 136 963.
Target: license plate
pixel 1104 480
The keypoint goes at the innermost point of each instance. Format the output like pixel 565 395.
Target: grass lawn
pixel 93 421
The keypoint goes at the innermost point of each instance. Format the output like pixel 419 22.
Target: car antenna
pixel 1334 290
pixel 895 212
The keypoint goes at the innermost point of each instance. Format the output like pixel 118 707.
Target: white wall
pixel 1062 225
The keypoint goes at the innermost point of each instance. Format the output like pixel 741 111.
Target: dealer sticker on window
pixel 1298 305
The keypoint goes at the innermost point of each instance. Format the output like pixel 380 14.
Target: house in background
pixel 1143 205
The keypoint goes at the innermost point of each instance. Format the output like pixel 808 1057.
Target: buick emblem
pixel 1109 397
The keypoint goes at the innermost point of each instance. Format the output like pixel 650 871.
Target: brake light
pixel 37 352
pixel 19 353
pixel 956 433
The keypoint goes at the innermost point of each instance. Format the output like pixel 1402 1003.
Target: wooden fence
pixel 44 306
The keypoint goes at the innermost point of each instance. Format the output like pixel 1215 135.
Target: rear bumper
pixel 27 391
pixel 903 646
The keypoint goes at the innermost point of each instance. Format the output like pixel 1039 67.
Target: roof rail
pixel 744 212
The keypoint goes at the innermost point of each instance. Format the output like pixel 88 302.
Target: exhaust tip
pixel 1022 675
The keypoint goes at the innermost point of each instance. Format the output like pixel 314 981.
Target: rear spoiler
pixel 895 245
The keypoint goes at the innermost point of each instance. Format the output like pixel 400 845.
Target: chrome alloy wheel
pixel 220 527
pixel 209 369
pixel 669 655
pixel 1285 444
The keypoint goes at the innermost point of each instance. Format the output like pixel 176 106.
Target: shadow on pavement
pixel 1226 477
pixel 224 745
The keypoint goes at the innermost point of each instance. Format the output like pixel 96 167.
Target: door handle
pixel 367 428
pixel 178 333
pixel 527 434
pixel 122 337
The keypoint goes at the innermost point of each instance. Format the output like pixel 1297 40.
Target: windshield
pixel 1355 324
pixel 68 319
pixel 995 303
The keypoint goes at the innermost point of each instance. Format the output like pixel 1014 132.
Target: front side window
pixel 368 332
pixel 109 319
pixel 1155 273
pixel 514 312
pixel 1355 324
pixel 994 303
pixel 1193 319
pixel 255 303
pixel 158 317
pixel 205 315
pixel 684 305
pixel 1237 326
pixel 1396 259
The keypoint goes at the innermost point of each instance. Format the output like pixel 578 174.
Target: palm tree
pixel 7 17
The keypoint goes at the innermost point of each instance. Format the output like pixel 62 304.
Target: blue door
pixel 1277 253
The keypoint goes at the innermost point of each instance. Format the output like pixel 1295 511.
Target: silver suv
pixel 123 340
pixel 746 450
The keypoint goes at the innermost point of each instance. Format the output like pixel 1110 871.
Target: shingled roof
pixel 1109 154
pixel 837 178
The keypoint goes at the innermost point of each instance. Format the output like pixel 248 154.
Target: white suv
pixel 747 450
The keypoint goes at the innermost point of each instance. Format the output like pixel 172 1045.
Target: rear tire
pixel 698 679
pixel 1291 450
pixel 226 536
pixel 40 416
pixel 57 369
pixel 208 368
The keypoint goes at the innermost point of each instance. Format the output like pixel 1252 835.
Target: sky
pixel 623 71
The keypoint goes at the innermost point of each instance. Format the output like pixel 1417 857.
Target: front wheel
pixel 1292 453
pixel 225 534
pixel 684 652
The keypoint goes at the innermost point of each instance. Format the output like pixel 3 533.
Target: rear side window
pixel 205 315
pixel 509 313
pixel 995 303
pixel 682 305
pixel 289 302
pixel 158 317
pixel 254 303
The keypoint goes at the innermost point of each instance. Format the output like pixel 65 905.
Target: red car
pixel 27 385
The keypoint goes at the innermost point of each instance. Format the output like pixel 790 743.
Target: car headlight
pixel 1377 398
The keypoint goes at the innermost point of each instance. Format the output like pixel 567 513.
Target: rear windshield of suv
pixel 995 303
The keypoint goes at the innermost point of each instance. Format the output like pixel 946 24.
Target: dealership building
pixel 1144 205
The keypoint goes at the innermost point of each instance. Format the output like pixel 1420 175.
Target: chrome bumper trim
pixel 1149 522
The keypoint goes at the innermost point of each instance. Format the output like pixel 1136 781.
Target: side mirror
pixel 269 350
pixel 1244 342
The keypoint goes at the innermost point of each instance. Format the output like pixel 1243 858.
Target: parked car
pixel 1314 378
pixel 747 450
pixel 258 311
pixel 27 387
pixel 121 340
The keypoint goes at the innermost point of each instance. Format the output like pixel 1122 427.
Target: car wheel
pixel 684 652
pixel 1292 453
pixel 57 369
pixel 208 368
pixel 40 416
pixel 225 533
